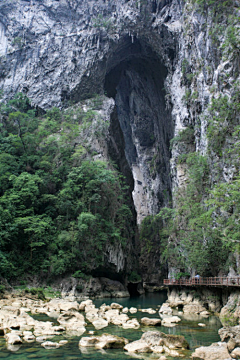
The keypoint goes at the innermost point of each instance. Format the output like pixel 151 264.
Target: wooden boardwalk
pixel 204 281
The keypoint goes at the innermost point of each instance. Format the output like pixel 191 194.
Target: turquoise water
pixel 188 327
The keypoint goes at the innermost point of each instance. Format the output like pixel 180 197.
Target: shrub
pixel 134 277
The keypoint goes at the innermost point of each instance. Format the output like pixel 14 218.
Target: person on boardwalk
pixel 197 279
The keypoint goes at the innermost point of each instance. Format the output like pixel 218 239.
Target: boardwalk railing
pixel 206 281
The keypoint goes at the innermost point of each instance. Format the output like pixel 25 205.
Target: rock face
pixel 230 312
pixel 197 301
pixel 95 287
pixel 59 52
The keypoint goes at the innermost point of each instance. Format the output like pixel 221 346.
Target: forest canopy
pixel 58 207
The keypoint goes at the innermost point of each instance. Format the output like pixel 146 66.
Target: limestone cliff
pixel 156 58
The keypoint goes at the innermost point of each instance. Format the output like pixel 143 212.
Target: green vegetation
pixel 203 226
pixel 58 207
pixel 101 22
pixel 51 293
pixel 216 6
pixel 134 277
pixel 80 275
pixel 2 288
pixel 222 119
pixel 182 275
pixel 17 41
pixel 188 233
pixel 185 136
pixel 39 292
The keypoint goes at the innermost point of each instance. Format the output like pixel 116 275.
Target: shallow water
pixel 188 327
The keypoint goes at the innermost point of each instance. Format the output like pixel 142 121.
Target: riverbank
pixel 224 302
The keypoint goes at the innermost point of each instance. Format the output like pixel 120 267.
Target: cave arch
pixel 135 78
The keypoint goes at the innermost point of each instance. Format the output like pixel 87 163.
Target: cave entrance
pixel 135 79
pixel 133 289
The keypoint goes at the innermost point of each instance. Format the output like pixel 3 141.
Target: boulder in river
pixel 235 354
pixel 100 323
pixel 170 320
pixel 158 342
pixel 231 335
pixel 13 339
pixel 157 338
pixel 133 310
pixel 50 345
pixel 150 321
pixel 165 309
pixel 131 324
pixel 73 321
pixel 84 303
pixel 105 341
pixel 116 306
pixel 138 346
pixel 216 351
pixel 149 311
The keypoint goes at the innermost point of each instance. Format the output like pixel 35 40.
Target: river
pixel 188 327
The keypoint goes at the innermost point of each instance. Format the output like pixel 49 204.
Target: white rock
pixel 41 339
pixel 216 351
pixel 13 348
pixel 104 341
pixel 149 311
pixel 120 319
pixel 157 349
pixel 131 324
pixel 88 341
pixel 133 310
pixel 111 314
pixel 73 321
pixel 50 345
pixel 165 309
pixel 235 354
pixel 100 323
pixel 28 336
pixel 13 339
pixel 138 346
pixel 63 342
pixel 84 303
pixel 170 321
pixel 116 306
pixel 150 321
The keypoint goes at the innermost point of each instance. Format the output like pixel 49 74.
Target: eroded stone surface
pixel 216 351
pixel 150 321
pixel 105 341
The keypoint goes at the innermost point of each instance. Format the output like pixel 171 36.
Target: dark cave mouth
pixel 133 54
pixel 133 289
pixel 135 79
